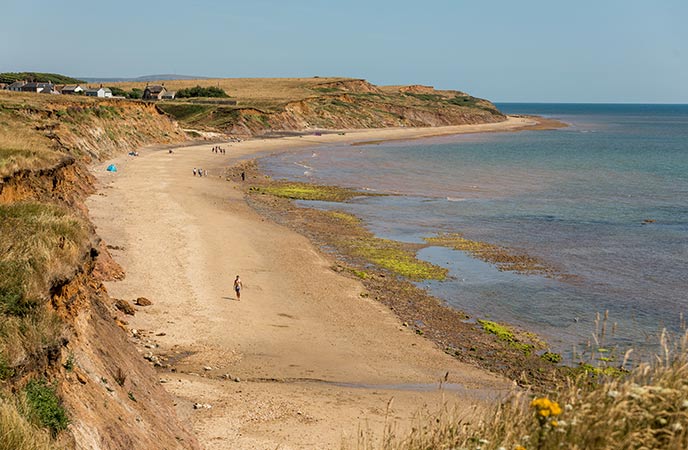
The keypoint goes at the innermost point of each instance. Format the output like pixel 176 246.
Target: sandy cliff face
pixel 343 111
pixel 112 395
pixel 343 104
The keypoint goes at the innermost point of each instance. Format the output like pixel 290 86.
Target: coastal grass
pixel 39 244
pixel 277 90
pixel 21 147
pixel 13 160
pixel 18 433
pixel 646 409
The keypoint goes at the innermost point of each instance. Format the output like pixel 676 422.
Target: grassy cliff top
pixel 272 94
pixel 278 89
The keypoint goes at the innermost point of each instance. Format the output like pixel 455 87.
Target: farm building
pixel 155 92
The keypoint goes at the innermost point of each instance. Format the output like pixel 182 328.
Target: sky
pixel 507 51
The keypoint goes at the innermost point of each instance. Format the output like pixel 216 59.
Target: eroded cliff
pixel 69 377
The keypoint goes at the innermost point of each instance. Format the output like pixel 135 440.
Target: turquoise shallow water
pixel 575 197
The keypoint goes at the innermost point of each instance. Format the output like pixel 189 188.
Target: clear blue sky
pixel 548 51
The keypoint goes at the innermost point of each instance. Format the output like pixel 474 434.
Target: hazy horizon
pixel 614 52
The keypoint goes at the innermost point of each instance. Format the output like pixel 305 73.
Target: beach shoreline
pixel 303 360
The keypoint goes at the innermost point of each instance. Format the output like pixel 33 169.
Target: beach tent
pixel 112 168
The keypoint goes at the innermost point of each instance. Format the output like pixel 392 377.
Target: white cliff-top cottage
pixel 99 92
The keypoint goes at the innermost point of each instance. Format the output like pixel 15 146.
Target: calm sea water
pixel 575 197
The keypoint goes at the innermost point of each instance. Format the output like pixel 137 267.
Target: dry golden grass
pixel 38 244
pixel 16 433
pixel 21 147
pixel 648 409
pixel 247 89
pixel 14 159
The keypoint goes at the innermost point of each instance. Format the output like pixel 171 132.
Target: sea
pixel 605 201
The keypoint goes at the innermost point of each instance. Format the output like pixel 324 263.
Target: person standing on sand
pixel 237 287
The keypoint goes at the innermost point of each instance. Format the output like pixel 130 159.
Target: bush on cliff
pixel 198 91
pixel 44 406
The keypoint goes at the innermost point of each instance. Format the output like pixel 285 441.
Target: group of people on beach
pixel 218 149
pixel 200 172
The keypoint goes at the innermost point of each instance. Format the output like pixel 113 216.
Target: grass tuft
pixel 38 245
pixel 17 433
pixel 644 409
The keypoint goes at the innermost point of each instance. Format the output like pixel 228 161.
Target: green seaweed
pixel 505 334
pixel 304 191
pixel 393 256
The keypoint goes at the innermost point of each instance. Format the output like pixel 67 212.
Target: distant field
pixel 267 92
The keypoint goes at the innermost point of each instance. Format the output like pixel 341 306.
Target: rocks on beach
pixel 125 307
pixel 142 301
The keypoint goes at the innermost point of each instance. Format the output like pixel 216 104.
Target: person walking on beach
pixel 237 287
pixel 194 171
pixel 243 176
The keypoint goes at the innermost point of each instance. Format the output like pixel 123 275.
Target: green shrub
pixel 45 407
pixel 135 94
pixel 199 91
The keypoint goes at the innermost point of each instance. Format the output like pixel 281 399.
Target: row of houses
pixel 155 92
pixel 65 89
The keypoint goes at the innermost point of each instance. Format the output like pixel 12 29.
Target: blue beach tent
pixel 112 168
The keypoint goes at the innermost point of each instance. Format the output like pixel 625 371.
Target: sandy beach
pixel 302 361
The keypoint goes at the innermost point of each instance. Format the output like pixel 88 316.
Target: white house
pixel 99 92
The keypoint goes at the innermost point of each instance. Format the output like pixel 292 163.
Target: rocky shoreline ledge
pixel 389 270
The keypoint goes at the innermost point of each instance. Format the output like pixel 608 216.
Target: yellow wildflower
pixel 519 447
pixel 546 407
pixel 554 423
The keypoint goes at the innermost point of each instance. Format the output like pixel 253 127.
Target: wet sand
pixel 316 362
